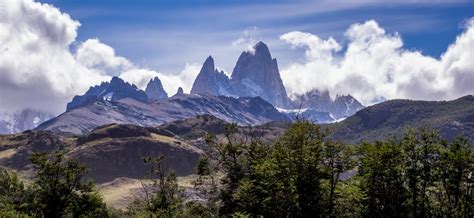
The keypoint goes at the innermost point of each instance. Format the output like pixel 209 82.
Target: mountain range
pixel 115 150
pixel 90 114
pixel 256 73
pixel 253 94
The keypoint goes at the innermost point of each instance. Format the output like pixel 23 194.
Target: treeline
pixel 304 173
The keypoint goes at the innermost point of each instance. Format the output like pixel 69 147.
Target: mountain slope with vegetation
pixel 387 119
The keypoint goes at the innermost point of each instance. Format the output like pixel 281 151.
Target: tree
pixel 288 181
pixel 337 159
pixel 381 167
pixel 421 152
pixel 231 160
pixel 351 198
pixel 457 169
pixel 59 188
pixel 167 200
pixel 207 189
pixel 300 148
pixel 13 194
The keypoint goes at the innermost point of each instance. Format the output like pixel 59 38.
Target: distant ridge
pixel 98 110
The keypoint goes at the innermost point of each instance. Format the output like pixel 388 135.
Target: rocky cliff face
pixel 114 90
pixel 211 81
pixel 154 90
pixel 256 74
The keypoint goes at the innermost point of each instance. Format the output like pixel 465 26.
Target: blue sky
pixel 165 35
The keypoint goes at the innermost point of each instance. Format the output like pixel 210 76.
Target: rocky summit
pixel 255 74
pixel 180 91
pixel 211 81
pixel 154 89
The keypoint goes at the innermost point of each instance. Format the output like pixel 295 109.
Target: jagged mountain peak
pixel 114 90
pixel 116 80
pixel 257 74
pixel 154 89
pixel 180 91
pixel 260 44
pixel 119 83
pixel 208 64
pixel 211 81
pixel 261 49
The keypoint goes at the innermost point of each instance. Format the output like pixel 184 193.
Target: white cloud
pixel 376 66
pixel 171 83
pixel 94 54
pixel 102 58
pixel 139 77
pixel 248 39
pixel 36 68
pixel 318 48
pixel 185 79
pixel 39 71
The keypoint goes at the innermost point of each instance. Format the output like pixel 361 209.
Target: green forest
pixel 304 173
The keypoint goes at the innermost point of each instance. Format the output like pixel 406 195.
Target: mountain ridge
pixel 244 111
pixel 450 118
pixel 116 89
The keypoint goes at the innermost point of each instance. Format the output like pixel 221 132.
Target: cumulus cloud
pixel 375 66
pixel 248 39
pixel 39 71
pixel 140 77
pixel 36 68
pixel 94 54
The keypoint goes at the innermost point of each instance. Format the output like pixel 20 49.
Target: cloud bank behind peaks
pixel 94 54
pixel 375 66
pixel 39 71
